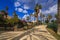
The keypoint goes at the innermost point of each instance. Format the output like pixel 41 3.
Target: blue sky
pixel 27 6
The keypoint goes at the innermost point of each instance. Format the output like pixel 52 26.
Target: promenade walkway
pixel 37 33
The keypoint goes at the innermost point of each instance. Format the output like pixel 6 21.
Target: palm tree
pixel 2 13
pixel 6 11
pixel 56 16
pixel 49 17
pixel 42 16
pixel 58 21
pixel 37 7
pixel 16 20
pixel 32 15
pixel 27 18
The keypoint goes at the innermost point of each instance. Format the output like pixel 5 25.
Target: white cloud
pixel 20 10
pixel 26 7
pixel 24 1
pixel 52 9
pixel 25 17
pixel 25 11
pixel 16 4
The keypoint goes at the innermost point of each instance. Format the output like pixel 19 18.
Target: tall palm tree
pixel 6 11
pixel 16 20
pixel 37 7
pixel 58 19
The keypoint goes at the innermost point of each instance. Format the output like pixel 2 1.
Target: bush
pixel 53 26
pixel 25 28
pixel 47 21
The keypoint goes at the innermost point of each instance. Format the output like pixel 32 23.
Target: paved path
pixel 9 35
pixel 36 33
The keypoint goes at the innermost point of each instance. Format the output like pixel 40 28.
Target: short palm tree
pixel 49 17
pixel 56 16
pixel 27 18
pixel 42 16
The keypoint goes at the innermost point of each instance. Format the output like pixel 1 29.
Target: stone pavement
pixel 36 33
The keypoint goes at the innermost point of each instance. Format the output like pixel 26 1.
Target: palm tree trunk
pixel 15 27
pixel 37 19
pixel 58 31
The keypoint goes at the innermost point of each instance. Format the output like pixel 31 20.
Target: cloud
pixel 44 3
pixel 25 1
pixel 52 9
pixel 20 10
pixel 16 4
pixel 28 3
pixel 26 7
pixel 25 17
pixel 25 11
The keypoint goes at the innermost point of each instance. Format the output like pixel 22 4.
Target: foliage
pixel 53 26
pixel 53 34
pixel 56 16
pixel 27 18
pixel 38 7
pixel 21 24
pixel 11 21
pixel 47 21
pixel 42 15
pixel 39 22
pixel 6 21
pixel 1 19
pixel 49 17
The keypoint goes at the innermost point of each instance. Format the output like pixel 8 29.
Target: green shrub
pixel 53 26
pixel 47 21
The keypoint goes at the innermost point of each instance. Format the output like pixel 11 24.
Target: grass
pixel 54 34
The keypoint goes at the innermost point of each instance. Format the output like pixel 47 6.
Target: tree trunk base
pixel 58 31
